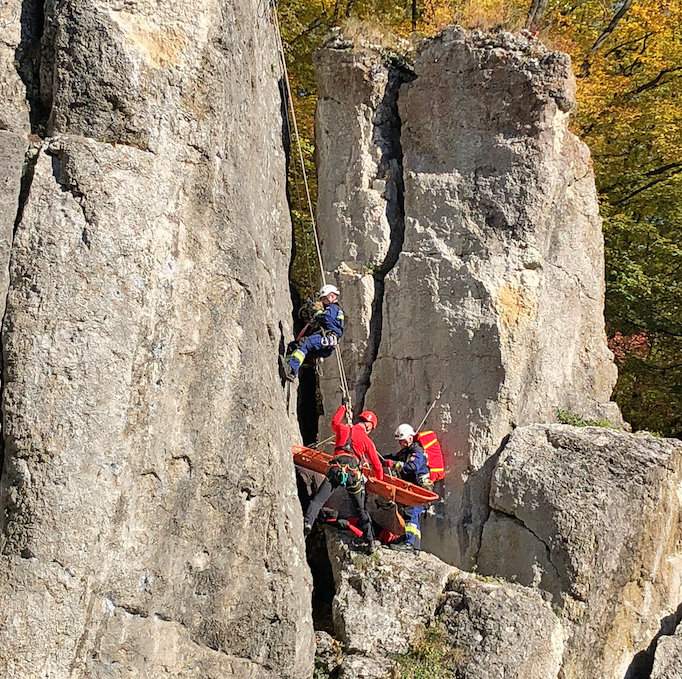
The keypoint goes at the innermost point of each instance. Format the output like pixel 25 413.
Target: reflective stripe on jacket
pixel 434 454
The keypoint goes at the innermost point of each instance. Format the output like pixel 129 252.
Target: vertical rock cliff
pixel 149 518
pixel 497 294
pixel 593 517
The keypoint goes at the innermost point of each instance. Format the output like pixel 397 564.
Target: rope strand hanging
pixel 292 113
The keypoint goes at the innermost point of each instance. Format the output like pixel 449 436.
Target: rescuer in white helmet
pixel 411 464
pixel 321 334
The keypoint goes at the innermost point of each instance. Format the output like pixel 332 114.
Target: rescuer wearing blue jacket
pixel 411 464
pixel 329 320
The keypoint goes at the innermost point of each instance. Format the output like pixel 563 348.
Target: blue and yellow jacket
pixel 331 319
pixel 415 464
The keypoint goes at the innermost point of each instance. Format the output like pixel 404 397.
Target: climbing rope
pixel 290 106
pixel 304 174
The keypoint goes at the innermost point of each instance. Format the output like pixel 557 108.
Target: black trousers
pixel 358 497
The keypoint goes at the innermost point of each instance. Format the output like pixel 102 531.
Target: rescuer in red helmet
pixel 353 450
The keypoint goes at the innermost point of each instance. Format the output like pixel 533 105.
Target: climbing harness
pixel 318 250
pixel 329 339
pixel 345 468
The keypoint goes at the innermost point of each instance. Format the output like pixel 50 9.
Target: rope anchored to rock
pixel 289 102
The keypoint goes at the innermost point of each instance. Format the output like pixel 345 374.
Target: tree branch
pixel 315 23
pixel 646 186
pixel 603 36
pixel 535 13
pixel 634 41
pixel 615 20
pixel 655 82
pixel 662 169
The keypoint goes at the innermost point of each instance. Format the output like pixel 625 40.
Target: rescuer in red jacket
pixel 353 450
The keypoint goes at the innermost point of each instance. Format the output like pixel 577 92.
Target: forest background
pixel 627 56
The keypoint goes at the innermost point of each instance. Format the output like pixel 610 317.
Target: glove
pixel 398 466
pixel 387 463
pixel 318 307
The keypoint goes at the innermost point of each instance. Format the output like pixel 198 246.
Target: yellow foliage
pixel 489 14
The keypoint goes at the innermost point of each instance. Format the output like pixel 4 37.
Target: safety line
pixel 298 143
pixel 290 100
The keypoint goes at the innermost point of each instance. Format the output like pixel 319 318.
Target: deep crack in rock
pixel 386 136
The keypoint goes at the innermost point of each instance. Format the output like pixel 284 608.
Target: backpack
pixel 434 454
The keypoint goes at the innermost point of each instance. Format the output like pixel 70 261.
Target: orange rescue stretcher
pixel 392 488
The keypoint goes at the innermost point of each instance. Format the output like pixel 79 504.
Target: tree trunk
pixel 535 13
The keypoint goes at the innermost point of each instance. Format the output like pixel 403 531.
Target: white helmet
pixel 404 431
pixel 327 289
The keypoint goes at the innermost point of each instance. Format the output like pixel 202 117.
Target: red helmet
pixel 369 416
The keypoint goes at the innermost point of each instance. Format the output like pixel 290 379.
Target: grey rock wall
pixel 14 112
pixel 149 522
pixel 499 630
pixel 384 605
pixel 497 295
pixel 360 193
pixel 668 662
pixel 592 517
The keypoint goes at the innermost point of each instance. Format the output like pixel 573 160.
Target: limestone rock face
pixel 591 516
pixel 360 187
pixel 149 520
pixel 14 47
pixel 500 631
pixel 14 127
pixel 13 148
pixel 381 600
pixel 385 602
pixel 497 295
pixel 668 661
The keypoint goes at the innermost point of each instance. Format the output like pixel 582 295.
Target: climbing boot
pixel 307 529
pixel 402 547
pixel 286 370
pixel 364 546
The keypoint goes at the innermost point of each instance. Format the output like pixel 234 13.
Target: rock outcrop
pixel 149 516
pixel 386 603
pixel 381 601
pixel 360 194
pixel 668 661
pixel 467 169
pixel 500 630
pixel 593 517
pixel 16 67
